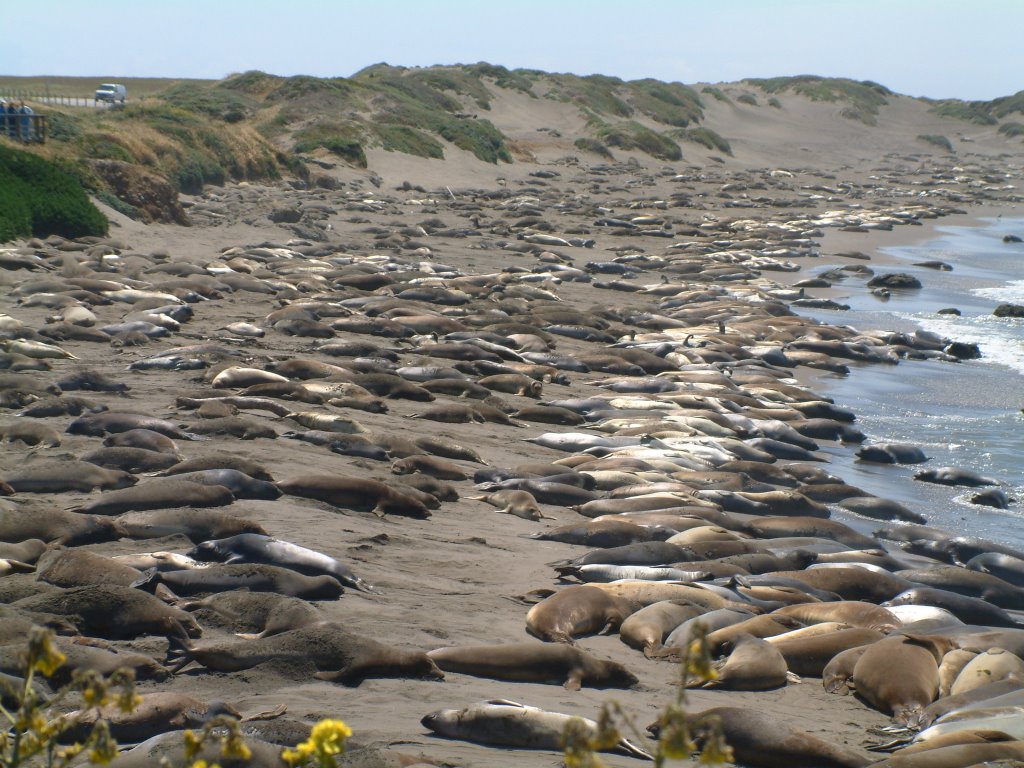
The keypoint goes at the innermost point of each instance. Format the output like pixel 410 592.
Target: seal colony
pixel 477 462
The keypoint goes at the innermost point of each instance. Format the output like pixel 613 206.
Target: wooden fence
pixel 31 129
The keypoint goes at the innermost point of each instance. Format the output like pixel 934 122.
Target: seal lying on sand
pixel 534 662
pixel 505 723
pixel 255 548
pixel 341 656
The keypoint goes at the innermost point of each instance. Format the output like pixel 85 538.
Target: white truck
pixel 112 92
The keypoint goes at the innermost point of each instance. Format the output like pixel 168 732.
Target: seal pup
pixel 753 665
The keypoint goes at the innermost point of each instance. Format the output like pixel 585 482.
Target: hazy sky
pixel 969 49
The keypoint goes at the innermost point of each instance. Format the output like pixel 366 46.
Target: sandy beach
pixel 454 579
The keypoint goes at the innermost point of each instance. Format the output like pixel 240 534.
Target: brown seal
pixel 64 476
pixel 759 738
pixel 768 625
pixel 340 656
pixel 162 493
pixel 153 714
pixel 900 675
pixel 356 494
pixel 852 612
pixel 197 524
pixel 54 525
pixel 534 662
pixel 808 656
pixel 574 611
pixel 647 629
pixel 753 665
pixel 429 465
pixel 838 673
pixel 254 614
pixel 513 502
pixel 114 612
pixel 256 577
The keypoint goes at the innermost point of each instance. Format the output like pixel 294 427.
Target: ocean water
pixel 965 415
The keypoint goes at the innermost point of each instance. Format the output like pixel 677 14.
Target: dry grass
pixel 85 87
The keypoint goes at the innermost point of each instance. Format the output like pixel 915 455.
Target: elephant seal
pixel 56 526
pixel 992 497
pixel 1007 753
pixel 153 714
pixel 161 493
pixel 66 476
pixel 78 568
pixel 134 460
pixel 878 508
pixel 240 484
pixel 766 625
pixel 760 739
pixel 967 582
pixel 111 422
pixel 753 665
pixel 340 656
pixel 534 662
pixel 968 609
pixel 992 666
pixel 954 476
pixel 80 656
pixel 25 551
pixel 850 583
pixel 254 614
pixel 504 723
pixel 576 610
pixel 952 665
pixel 254 577
pixel 114 612
pixel 429 465
pixel 592 533
pixel 776 527
pixel 197 524
pixel 512 502
pixel 647 629
pixel 256 548
pixel 220 461
pixel 852 612
pixel 1006 567
pixel 900 675
pixel 142 438
pixel 892 453
pixel 837 675
pixel 808 656
pixel 356 494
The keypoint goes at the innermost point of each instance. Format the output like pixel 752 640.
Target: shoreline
pixel 449 580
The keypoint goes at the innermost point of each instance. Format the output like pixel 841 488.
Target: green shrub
pixel 935 140
pixel 38 198
pixel 588 144
pixel 972 111
pixel 1011 130
pixel 62 127
pixel 864 97
pixel 705 137
pixel 403 138
pixel 668 103
pixel 632 135
pixel 1008 105
pixel 775 103
pixel 343 140
pixel 208 100
pixel 747 98
pixel 103 146
pixel 109 198
pixel 717 93
pixel 194 170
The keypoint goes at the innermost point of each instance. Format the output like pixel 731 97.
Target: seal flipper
pixel 575 680
pixel 149 580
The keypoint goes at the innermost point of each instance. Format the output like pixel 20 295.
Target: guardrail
pixel 31 129
pixel 62 101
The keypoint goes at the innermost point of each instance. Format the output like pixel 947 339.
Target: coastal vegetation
pixel 258 126
pixel 39 197
pixel 936 141
pixel 863 98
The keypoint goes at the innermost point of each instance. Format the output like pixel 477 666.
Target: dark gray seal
pixel 253 577
pixel 163 493
pixel 64 476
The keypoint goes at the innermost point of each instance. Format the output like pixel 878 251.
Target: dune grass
pixel 936 141
pixel 864 97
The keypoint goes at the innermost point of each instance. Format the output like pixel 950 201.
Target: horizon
pixel 938 49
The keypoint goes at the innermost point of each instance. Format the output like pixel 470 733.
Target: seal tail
pixel 194 436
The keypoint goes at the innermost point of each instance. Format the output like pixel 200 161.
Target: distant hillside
pixel 260 126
